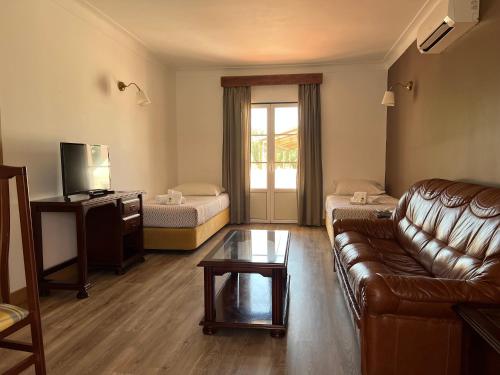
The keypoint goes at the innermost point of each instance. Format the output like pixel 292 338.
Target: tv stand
pixel 109 234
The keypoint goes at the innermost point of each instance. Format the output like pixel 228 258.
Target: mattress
pixel 339 207
pixel 196 211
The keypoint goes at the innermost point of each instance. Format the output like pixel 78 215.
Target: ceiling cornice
pixel 89 14
pixel 407 37
pixel 409 34
pixel 113 27
pixel 375 64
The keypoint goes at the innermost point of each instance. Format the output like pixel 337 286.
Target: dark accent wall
pixel 449 125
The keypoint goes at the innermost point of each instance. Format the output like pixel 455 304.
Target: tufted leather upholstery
pixel 441 247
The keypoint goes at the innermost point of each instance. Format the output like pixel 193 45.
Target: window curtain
pixel 236 151
pixel 310 170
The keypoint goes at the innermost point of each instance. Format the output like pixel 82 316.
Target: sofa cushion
pixel 384 279
pixel 451 228
pixel 363 257
pixel 354 248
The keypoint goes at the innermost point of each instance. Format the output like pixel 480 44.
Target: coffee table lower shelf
pixel 245 301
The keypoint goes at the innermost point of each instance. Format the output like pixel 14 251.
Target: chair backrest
pixel 4 240
pixel 452 228
pixel 19 174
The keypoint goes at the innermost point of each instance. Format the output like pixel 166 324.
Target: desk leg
pixel 82 254
pixel 36 221
pixel 209 300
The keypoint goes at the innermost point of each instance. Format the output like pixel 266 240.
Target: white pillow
pixel 199 189
pixel 349 187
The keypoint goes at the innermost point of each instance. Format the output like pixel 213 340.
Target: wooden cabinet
pixel 131 206
pixel 109 236
pixel 115 234
pixel 132 232
pixel 480 338
pixel 131 223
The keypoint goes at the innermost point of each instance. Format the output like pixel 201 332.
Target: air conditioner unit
pixel 447 22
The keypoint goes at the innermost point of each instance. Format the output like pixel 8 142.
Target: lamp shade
pixel 142 98
pixel 388 99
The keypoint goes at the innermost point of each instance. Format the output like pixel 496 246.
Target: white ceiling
pixel 259 32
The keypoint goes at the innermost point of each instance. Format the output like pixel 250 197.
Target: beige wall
pixel 58 70
pixel 353 120
pixel 59 84
pixel 449 126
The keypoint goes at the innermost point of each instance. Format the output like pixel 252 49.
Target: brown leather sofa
pixel 402 276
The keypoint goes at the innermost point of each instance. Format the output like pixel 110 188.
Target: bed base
pixel 156 238
pixel 329 228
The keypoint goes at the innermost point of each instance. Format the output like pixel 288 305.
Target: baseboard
pixel 19 297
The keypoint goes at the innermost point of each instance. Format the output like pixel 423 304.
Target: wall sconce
pixel 388 100
pixel 142 97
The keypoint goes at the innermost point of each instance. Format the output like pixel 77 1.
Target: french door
pixel 273 163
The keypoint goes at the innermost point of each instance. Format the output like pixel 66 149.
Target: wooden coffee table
pixel 255 295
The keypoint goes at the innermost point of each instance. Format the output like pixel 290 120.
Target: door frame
pixel 271 190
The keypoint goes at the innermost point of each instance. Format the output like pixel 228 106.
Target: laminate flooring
pixel 146 321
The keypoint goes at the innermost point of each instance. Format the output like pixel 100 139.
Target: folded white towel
pixel 170 199
pixel 174 192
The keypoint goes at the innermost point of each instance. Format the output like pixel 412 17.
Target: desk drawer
pixel 131 223
pixel 131 206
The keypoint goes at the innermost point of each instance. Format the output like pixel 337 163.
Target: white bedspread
pixel 196 211
pixel 339 207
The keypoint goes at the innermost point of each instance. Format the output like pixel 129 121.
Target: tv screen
pixel 85 168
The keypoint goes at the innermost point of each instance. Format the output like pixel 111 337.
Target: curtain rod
pixel 274 103
pixel 271 80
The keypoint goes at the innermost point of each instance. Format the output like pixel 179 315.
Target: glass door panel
pixel 285 176
pixel 259 148
pixel 286 146
pixel 286 119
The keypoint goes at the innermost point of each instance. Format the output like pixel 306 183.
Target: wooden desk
pixel 108 235
pixel 480 339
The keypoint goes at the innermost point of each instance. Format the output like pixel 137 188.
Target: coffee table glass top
pixel 252 246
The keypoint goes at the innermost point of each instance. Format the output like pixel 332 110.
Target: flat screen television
pixel 85 168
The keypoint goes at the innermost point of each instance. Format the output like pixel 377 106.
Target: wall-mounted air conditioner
pixel 448 21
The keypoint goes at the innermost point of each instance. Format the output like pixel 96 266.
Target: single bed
pixel 185 226
pixel 339 207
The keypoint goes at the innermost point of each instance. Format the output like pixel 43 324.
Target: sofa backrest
pixel 451 228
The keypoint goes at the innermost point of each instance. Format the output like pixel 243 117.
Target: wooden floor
pixel 146 321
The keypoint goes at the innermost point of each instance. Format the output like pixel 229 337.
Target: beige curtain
pixel 310 170
pixel 236 151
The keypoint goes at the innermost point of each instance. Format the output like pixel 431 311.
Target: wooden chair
pixel 13 318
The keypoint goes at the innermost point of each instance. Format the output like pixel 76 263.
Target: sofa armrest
pixel 380 228
pixel 436 290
